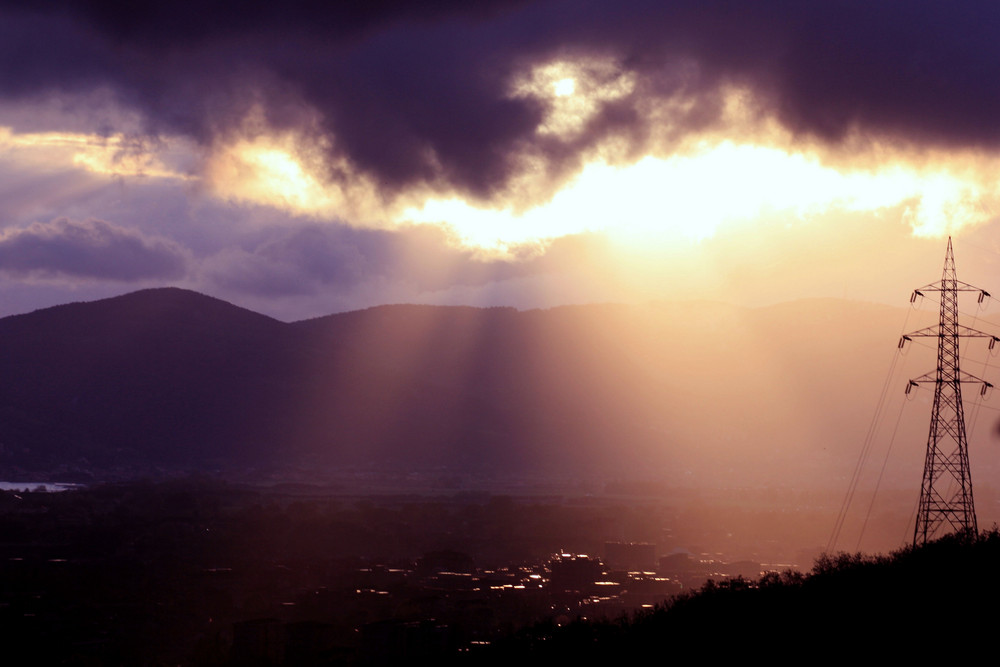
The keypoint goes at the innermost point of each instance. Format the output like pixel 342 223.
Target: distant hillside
pixel 171 379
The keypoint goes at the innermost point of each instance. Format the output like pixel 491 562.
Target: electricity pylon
pixel 946 490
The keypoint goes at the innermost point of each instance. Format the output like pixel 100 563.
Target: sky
pixel 304 158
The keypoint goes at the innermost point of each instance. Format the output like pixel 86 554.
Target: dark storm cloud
pixel 417 93
pixel 89 249
pixel 319 258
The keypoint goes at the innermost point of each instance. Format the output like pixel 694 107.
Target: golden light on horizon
pixel 687 198
pixel 111 155
pixel 674 201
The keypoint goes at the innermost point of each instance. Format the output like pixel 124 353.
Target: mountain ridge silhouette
pixel 176 380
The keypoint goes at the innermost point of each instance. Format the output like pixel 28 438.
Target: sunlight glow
pixel 114 155
pixel 283 176
pixel 573 91
pixel 286 171
pixel 687 198
pixel 564 87
pixel 678 200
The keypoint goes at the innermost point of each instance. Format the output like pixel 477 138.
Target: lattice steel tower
pixel 946 491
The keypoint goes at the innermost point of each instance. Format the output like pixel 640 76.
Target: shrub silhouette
pixel 931 601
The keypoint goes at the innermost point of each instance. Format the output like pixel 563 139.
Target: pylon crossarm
pixel 956 285
pixel 962 376
pixel 934 331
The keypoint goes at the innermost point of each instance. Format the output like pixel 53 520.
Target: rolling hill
pixel 168 379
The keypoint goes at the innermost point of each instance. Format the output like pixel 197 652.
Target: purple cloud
pixel 89 249
pixel 322 258
pixel 418 93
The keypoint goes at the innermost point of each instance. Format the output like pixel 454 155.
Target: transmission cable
pixel 866 447
pixel 881 474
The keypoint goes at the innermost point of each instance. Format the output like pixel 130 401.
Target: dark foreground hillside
pixel 193 572
pixel 935 601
